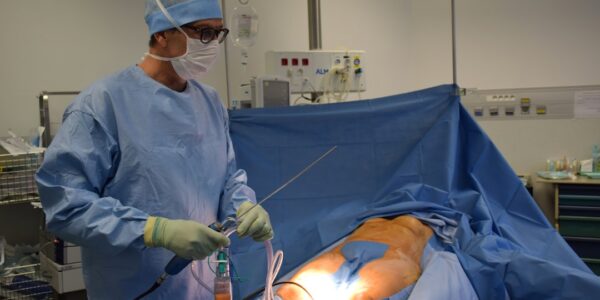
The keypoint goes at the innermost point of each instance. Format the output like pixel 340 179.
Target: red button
pixel 305 61
pixel 284 61
pixel 294 61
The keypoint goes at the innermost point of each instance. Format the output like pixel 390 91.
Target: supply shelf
pixel 24 282
pixel 17 183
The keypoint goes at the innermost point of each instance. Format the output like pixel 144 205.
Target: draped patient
pixel 376 261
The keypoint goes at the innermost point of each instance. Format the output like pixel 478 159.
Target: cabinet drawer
pixel 579 200
pixel 580 189
pixel 594 264
pixel 585 247
pixel 579 211
pixel 579 226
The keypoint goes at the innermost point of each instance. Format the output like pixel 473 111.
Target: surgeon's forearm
pixel 83 218
pixel 236 192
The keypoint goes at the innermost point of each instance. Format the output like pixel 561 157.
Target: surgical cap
pixel 182 11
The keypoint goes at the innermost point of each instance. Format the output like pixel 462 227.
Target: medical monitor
pixel 270 91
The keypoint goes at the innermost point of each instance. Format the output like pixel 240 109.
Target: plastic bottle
pixel 222 288
pixel 595 158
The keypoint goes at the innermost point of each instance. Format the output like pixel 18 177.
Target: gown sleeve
pixel 78 164
pixel 236 190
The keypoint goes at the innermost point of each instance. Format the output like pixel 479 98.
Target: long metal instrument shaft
pixel 176 264
pixel 291 180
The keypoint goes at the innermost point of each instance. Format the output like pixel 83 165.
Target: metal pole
pixel 45 112
pixel 453 45
pixel 314 24
pixel 229 92
pixel 314 31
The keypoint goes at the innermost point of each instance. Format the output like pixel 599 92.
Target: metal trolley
pixel 17 184
pixel 24 282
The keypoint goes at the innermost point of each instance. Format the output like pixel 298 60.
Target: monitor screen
pixel 276 93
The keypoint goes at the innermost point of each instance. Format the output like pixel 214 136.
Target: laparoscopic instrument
pixel 177 264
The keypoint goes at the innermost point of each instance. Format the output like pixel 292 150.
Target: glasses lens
pixel 207 35
pixel 222 34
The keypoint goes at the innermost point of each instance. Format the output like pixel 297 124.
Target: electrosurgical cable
pixel 274 262
pixel 338 75
pixel 200 282
pixel 273 266
pixel 236 276
pixel 219 260
pixel 259 291
pixel 154 286
pixel 177 264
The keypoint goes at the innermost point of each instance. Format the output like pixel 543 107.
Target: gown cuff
pixel 149 231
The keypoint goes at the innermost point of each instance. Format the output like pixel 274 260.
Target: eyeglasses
pixel 209 34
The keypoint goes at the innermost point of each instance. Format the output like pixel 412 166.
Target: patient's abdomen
pixel 405 237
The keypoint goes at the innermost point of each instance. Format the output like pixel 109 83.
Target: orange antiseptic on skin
pixel 380 278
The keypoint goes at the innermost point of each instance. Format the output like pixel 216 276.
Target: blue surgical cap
pixel 182 11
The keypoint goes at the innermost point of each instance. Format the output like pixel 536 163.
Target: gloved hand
pixel 188 239
pixel 255 223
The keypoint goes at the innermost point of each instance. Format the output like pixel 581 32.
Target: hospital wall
pixel 500 44
pixel 533 43
pixel 68 44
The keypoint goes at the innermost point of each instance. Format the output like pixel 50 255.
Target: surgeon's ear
pixel 161 39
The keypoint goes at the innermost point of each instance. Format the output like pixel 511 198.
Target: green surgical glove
pixel 188 239
pixel 255 223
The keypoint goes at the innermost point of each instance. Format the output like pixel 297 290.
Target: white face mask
pixel 196 61
pixel 198 57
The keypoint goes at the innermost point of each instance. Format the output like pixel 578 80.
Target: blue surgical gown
pixel 129 148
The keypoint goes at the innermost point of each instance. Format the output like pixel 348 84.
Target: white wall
pixel 283 25
pixel 528 43
pixel 61 45
pixel 500 44
pixel 67 45
pixel 394 34
pixel 533 43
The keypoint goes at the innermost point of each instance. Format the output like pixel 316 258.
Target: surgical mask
pixel 198 57
pixel 196 61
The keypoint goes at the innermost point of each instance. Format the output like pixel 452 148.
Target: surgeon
pixel 143 162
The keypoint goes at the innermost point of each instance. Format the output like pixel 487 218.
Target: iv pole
pixel 453 44
pixel 459 91
pixel 315 43
pixel 314 31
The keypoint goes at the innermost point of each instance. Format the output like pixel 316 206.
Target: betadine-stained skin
pixel 405 237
